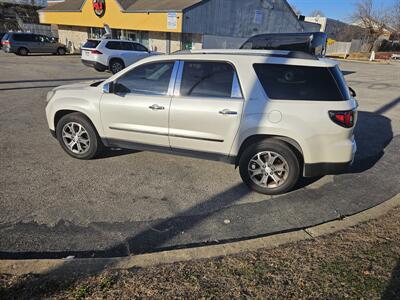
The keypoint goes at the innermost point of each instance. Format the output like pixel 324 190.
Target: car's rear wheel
pixel 23 51
pixel 78 137
pixel 61 51
pixel 269 167
pixel 116 65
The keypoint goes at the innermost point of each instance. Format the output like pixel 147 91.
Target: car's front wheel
pixel 78 137
pixel 269 167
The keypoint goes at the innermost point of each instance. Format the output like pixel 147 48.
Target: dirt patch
pixel 360 262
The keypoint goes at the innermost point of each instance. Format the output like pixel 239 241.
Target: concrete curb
pixel 93 265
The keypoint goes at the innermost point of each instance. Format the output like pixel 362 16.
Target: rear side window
pixel 91 44
pixel 207 79
pixel 5 37
pixel 152 78
pixel 299 82
pixel 139 47
pixel 114 45
pixel 24 37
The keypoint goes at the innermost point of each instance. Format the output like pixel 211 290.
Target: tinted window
pixel 298 82
pixel 151 78
pixel 5 37
pixel 91 44
pixel 43 38
pixel 114 45
pixel 139 47
pixel 127 46
pixel 207 79
pixel 24 37
pixel 341 82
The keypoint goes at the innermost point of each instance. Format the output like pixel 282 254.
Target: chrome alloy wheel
pixel 76 138
pixel 268 169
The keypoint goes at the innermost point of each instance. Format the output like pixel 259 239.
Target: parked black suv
pixel 310 42
pixel 22 43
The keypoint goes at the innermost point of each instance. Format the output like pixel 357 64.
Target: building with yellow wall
pixel 169 25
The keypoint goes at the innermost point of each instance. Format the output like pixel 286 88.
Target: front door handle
pixel 156 107
pixel 228 112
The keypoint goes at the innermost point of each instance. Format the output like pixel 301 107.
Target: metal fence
pixel 38 29
pixel 222 42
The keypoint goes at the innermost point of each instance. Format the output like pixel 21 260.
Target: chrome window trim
pixel 178 81
pixel 236 90
pixel 172 80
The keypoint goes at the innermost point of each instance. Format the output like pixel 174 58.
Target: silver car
pixel 22 43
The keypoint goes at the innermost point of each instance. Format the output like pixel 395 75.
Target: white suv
pixel 275 114
pixel 113 55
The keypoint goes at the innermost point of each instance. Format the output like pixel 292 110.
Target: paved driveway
pixel 129 202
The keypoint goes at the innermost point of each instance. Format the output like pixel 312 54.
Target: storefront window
pixel 95 33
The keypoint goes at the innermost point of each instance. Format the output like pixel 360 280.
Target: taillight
pixel 342 118
pixel 6 42
pixel 96 52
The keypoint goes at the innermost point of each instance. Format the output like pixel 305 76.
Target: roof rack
pixel 272 53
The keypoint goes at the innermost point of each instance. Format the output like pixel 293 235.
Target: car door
pixel 206 108
pixel 45 45
pixel 137 111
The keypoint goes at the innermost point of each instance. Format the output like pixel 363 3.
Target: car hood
pixel 77 86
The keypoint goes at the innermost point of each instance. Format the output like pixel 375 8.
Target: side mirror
pixel 352 92
pixel 108 88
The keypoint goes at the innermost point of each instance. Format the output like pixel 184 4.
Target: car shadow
pixel 373 134
pixel 392 291
pixel 114 152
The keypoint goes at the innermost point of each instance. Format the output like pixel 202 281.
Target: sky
pixel 335 9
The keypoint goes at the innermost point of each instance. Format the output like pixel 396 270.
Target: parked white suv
pixel 275 114
pixel 113 55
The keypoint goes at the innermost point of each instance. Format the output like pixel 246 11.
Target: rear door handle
pixel 226 112
pixel 156 107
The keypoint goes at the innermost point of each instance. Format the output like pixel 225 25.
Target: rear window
pixel 301 83
pixel 91 44
pixel 5 37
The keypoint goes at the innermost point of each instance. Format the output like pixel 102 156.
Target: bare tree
pixel 395 16
pixel 317 13
pixel 373 19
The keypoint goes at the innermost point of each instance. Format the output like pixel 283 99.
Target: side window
pixel 139 47
pixel 298 82
pixel 208 79
pixel 152 78
pixel 113 45
pixel 127 46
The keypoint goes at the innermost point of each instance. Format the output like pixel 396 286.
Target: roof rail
pixel 273 53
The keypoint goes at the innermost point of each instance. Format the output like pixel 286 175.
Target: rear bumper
pixel 321 169
pixel 94 64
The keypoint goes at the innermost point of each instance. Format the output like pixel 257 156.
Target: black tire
pixel 280 148
pixel 61 51
pixel 23 51
pixel 116 65
pixel 95 145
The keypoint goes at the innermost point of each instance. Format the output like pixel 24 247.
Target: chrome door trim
pixel 236 90
pixel 172 81
pixel 138 131
pixel 178 81
pixel 166 134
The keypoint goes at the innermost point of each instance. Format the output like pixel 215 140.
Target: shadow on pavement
pixel 393 289
pixel 373 134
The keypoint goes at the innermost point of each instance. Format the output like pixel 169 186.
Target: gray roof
pixel 130 5
pixel 68 5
